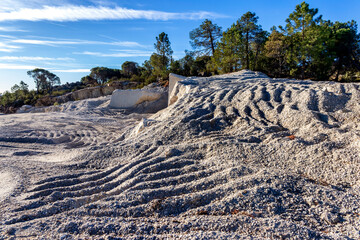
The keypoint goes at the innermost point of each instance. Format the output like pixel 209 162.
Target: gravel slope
pixel 236 156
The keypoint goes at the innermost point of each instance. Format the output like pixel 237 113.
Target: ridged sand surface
pixel 236 156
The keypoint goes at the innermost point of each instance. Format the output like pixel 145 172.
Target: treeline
pixel 154 69
pixel 307 47
pixel 48 84
pixel 20 94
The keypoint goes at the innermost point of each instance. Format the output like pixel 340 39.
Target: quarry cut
pixel 235 156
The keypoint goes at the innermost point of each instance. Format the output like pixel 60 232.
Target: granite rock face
pixel 94 92
pixel 130 98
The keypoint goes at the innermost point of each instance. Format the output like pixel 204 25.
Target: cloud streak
pixel 5 47
pixel 32 59
pixel 6 66
pixel 121 53
pixel 16 67
pixel 75 42
pixel 10 29
pixel 76 13
pixel 73 71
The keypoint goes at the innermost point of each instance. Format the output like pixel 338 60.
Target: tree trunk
pixel 302 52
pixel 212 44
pixel 337 75
pixel 247 50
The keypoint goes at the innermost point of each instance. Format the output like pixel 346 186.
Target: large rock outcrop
pixel 95 92
pixel 140 100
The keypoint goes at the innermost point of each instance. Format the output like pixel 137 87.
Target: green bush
pixel 59 93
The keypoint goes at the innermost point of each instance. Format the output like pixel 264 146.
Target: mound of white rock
pixel 140 100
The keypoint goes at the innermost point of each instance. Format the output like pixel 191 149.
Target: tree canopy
pixel 44 80
pixel 160 60
pixel 306 47
pixel 104 74
pixel 130 68
pixel 205 37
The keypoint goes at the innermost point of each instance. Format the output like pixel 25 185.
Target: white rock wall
pixel 130 98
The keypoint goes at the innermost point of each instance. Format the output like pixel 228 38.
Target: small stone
pixel 172 152
pixel 330 218
pixel 71 227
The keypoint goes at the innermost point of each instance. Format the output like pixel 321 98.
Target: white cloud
pixel 10 29
pixel 32 59
pixel 75 42
pixel 9 5
pixel 7 36
pixel 16 67
pixel 76 13
pixel 73 71
pixel 121 53
pixel 5 47
pixel 31 67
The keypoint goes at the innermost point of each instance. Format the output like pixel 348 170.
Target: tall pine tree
pixel 163 56
pixel 298 28
pixel 205 37
pixel 228 55
pixel 247 24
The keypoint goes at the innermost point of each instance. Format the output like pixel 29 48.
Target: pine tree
pixel 275 50
pixel 163 56
pixel 298 28
pixel 228 55
pixel 205 37
pixel 247 24
pixel 346 48
pixel 44 80
pixel 130 68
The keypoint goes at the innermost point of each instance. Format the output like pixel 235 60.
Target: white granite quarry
pixel 236 156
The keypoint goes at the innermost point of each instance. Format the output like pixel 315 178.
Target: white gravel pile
pixel 236 156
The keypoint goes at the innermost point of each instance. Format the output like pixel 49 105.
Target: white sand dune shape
pixel 236 156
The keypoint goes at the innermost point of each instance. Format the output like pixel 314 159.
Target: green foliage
pixel 18 96
pixel 300 27
pixel 89 81
pixel 59 93
pixel 242 46
pixel 146 70
pixel 130 68
pixel 103 74
pixel 307 47
pixel 253 38
pixel 44 80
pixel 160 60
pixel 160 65
pixel 190 66
pixel 228 55
pixel 346 48
pixel 205 37
pixel 21 87
pixel 275 52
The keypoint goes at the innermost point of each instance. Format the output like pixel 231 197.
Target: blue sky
pixel 69 37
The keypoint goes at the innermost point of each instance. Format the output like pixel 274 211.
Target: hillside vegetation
pixel 306 47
